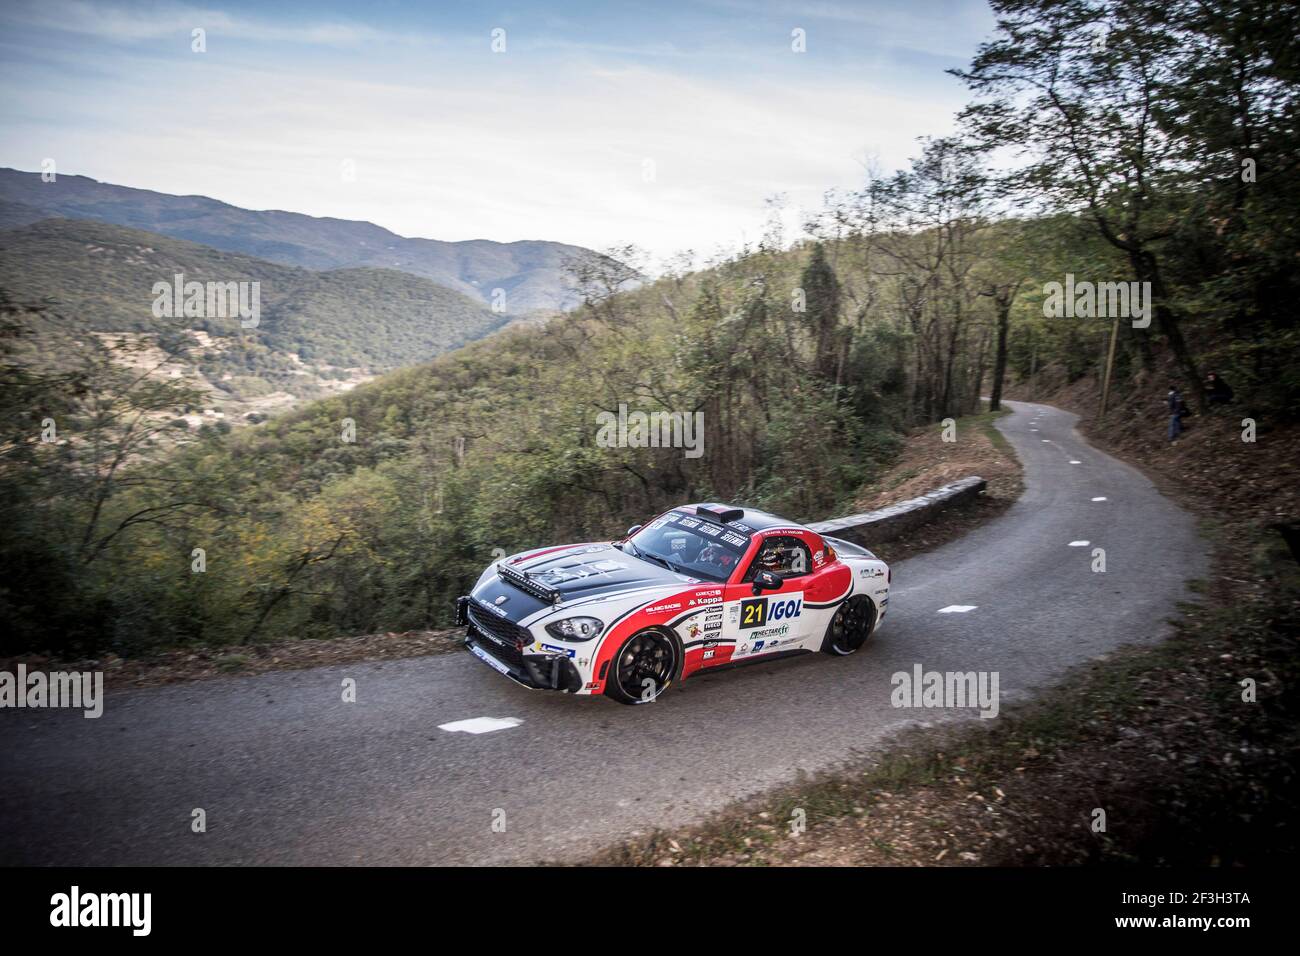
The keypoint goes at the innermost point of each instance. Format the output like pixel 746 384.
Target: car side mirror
pixel 633 530
pixel 766 581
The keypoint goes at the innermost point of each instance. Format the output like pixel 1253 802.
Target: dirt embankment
pixel 929 462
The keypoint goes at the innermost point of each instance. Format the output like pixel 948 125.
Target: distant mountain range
pixel 319 332
pixel 532 273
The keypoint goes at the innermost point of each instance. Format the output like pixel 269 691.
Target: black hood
pixel 575 572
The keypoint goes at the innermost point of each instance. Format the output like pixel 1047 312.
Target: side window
pixel 784 555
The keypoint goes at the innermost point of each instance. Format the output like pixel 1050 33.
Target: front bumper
pixel 506 656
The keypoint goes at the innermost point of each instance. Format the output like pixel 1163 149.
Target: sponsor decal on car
pixel 498 611
pixel 663 607
pixel 756 612
pixel 554 576
pixel 489 659
pixel 566 651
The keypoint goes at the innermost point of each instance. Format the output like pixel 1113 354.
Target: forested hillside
pixel 921 291
pixel 316 331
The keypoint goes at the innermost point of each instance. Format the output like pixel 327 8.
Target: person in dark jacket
pixel 1175 402
pixel 1217 391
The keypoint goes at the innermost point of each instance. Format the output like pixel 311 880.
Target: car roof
pixel 758 520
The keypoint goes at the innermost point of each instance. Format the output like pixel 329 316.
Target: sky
pixel 665 124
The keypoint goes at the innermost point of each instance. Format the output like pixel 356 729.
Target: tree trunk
pixel 1000 360
pixel 1144 264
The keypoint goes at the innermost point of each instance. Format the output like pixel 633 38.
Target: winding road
pixel 287 773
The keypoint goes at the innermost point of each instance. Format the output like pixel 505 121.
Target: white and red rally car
pixel 699 587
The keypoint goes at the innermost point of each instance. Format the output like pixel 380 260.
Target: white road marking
pixel 1046 439
pixel 957 608
pixel 480 725
pixel 1079 544
pixel 1102 498
pixel 1075 461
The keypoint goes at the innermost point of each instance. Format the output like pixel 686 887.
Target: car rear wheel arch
pixel 851 626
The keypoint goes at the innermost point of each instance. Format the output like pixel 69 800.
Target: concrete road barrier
pixel 875 527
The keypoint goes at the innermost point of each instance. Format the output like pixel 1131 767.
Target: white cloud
pixel 501 147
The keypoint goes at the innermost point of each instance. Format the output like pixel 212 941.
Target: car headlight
pixel 575 628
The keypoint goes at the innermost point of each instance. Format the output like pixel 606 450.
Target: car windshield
pixel 691 545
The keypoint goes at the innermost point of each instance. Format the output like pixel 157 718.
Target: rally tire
pixel 648 655
pixel 850 627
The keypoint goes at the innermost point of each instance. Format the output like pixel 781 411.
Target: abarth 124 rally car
pixel 697 588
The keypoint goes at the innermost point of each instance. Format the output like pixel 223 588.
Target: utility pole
pixel 1110 366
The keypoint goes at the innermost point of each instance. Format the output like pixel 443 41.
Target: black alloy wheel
pixel 645 667
pixel 850 627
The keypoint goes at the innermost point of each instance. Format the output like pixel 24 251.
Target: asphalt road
pixel 289 774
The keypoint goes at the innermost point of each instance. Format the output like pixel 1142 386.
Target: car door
pixel 771 621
